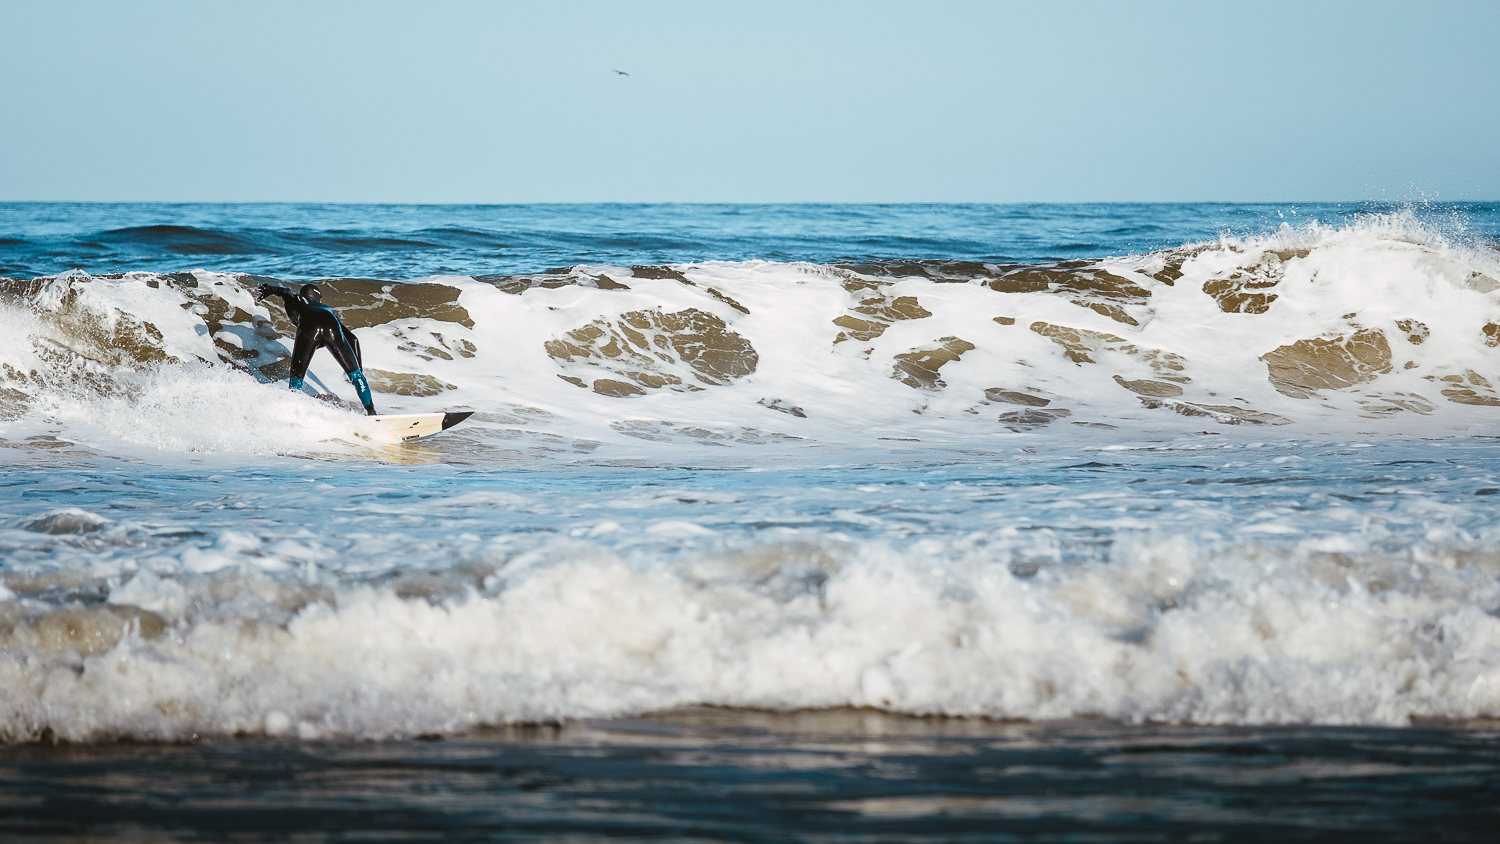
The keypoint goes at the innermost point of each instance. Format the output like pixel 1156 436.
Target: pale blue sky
pixel 806 101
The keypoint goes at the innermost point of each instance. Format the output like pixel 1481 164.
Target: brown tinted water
pixel 727 775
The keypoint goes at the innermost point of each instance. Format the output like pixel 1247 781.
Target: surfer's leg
pixel 361 386
pixel 348 358
pixel 302 351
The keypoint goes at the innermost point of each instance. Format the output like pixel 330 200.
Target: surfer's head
pixel 311 293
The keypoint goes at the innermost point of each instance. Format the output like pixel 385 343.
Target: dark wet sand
pixel 721 775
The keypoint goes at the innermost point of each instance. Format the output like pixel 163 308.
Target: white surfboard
pixel 404 427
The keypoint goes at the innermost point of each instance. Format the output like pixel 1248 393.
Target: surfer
pixel 318 326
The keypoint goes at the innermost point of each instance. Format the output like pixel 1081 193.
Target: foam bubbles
pixel 1161 632
pixel 200 408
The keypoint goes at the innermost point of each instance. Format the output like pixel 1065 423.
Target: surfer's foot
pixel 370 410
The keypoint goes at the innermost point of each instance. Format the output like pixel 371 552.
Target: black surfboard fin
pixel 451 419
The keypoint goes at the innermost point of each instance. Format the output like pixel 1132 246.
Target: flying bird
pixel 622 73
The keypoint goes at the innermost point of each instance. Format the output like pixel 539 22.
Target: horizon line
pixel 1424 201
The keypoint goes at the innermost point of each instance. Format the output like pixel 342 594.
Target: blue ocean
pixel 909 521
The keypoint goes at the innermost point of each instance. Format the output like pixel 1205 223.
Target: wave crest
pixel 1333 328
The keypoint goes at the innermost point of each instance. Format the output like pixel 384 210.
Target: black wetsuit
pixel 319 327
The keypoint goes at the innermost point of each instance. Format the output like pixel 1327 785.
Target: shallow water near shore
pixel 1207 579
pixel 736 775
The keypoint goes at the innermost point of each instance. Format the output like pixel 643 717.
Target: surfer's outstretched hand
pixel 262 292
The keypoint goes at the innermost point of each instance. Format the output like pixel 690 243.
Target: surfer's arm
pixel 289 300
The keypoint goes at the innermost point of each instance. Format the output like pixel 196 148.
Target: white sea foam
pixel 1161 631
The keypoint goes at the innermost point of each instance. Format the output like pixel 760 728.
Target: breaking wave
pixel 1380 325
pixel 1157 633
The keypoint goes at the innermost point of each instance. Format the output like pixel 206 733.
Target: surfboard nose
pixel 451 419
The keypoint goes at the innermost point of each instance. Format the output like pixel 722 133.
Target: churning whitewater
pixel 1246 480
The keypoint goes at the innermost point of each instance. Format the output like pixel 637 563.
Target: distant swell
pixel 409 242
pixel 182 240
pixel 185 240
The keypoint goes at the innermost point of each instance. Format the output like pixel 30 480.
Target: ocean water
pixel 1193 468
